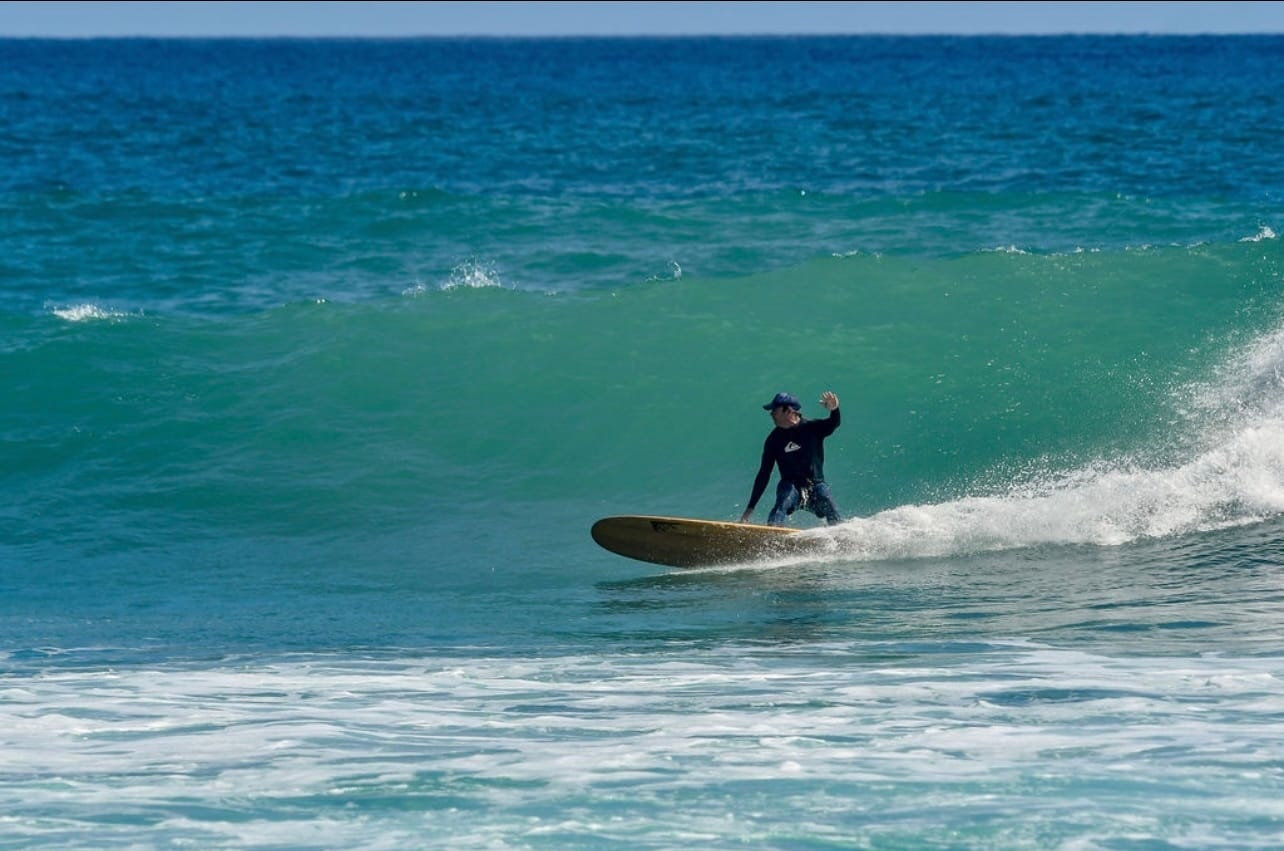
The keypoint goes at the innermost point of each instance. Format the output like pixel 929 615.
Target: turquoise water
pixel 319 359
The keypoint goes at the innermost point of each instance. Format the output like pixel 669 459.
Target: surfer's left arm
pixel 829 401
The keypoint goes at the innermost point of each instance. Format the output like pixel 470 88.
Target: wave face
pixel 319 358
pixel 1025 378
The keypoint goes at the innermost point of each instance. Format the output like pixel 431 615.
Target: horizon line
pixel 639 35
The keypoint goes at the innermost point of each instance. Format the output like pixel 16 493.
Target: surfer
pixel 797 446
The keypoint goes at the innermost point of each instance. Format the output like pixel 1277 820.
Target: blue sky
pixel 382 19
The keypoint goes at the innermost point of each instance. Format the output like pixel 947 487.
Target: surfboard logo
pixel 792 447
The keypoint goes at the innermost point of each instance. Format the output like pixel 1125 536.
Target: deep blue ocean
pixel 318 359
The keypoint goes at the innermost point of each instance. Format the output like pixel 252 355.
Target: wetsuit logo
pixel 792 447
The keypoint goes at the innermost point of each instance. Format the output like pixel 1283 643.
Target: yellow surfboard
pixel 687 542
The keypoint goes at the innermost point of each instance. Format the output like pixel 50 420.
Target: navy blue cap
pixel 787 400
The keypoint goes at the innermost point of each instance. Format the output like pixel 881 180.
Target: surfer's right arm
pixel 759 482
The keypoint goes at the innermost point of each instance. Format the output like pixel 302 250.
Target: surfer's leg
pixel 787 499
pixel 821 504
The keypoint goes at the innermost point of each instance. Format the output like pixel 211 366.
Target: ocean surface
pixel 318 359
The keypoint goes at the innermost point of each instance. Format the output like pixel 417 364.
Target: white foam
pixel 1234 485
pixel 474 275
pixel 471 274
pixel 271 745
pixel 87 313
pixel 1264 233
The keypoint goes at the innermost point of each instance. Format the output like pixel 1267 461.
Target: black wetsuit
pixel 799 452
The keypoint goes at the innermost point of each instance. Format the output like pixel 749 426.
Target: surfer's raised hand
pixel 828 400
